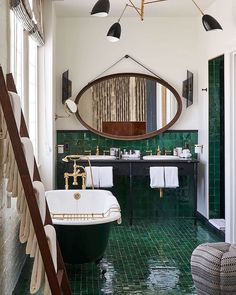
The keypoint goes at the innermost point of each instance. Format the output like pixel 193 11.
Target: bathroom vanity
pixel 140 168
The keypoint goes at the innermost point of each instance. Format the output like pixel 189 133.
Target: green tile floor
pixel 151 257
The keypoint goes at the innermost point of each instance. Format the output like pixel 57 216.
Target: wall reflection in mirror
pixel 127 105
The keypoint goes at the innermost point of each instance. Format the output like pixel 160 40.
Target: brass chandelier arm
pixel 149 2
pixel 198 7
pixel 137 9
pixel 122 13
pixel 140 10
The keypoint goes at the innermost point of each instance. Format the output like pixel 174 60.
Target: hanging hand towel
pixel 157 177
pixel 106 176
pixel 95 176
pixel 171 177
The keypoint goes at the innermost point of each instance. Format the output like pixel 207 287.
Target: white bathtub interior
pixel 90 202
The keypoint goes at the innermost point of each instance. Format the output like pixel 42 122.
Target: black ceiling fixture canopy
pixel 101 8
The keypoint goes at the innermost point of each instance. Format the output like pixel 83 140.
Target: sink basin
pixel 100 157
pixel 160 157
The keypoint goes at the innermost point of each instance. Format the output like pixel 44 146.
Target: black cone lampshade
pixel 210 23
pixel 101 8
pixel 114 32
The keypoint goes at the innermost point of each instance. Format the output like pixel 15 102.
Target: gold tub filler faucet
pixel 78 171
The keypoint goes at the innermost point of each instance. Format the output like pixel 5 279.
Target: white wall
pixel 46 102
pixel 212 44
pixel 168 46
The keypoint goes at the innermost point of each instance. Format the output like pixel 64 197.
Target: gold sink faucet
pixel 158 151
pixel 97 151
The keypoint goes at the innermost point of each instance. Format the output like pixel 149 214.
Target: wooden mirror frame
pixel 135 137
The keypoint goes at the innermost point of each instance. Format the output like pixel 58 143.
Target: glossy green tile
pixel 151 257
pixel 147 202
pixel 216 137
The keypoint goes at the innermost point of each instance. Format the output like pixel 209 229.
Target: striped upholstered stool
pixel 213 267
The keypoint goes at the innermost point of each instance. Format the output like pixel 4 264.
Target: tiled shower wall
pixel 147 203
pixel 216 137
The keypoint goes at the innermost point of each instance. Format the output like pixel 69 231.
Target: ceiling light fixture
pixel 101 8
pixel 209 22
pixel 114 32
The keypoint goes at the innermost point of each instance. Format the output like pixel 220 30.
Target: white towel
pixel 95 174
pixel 29 154
pixel 40 198
pixel 52 242
pixel 41 201
pixel 106 176
pixel 157 177
pixel 16 107
pixel 171 177
pixel 38 271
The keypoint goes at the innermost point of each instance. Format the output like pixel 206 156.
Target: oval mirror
pixel 128 106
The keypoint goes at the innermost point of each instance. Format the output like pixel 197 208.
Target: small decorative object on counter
pixel 60 148
pixel 185 154
pixel 179 151
pixel 175 152
pixel 198 148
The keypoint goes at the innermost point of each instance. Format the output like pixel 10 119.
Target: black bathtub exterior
pixel 82 243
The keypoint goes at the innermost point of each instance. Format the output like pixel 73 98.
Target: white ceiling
pixel 168 8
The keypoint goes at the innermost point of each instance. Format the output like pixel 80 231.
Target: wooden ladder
pixel 58 281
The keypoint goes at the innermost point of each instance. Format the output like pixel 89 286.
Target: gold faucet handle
pixel 97 150
pixel 87 152
pixel 106 152
pixel 149 152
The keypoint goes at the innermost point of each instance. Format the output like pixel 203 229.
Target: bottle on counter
pixel 175 152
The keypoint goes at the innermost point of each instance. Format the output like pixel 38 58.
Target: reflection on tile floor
pixel 151 257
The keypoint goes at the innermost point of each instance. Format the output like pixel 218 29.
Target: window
pixel 24 69
pixel 32 97
pixel 17 56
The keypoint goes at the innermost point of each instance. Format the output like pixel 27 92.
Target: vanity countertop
pixel 180 160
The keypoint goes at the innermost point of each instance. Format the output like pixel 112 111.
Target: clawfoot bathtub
pixel 82 219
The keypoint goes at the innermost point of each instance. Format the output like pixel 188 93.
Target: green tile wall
pixel 79 141
pixel 216 137
pixel 147 203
